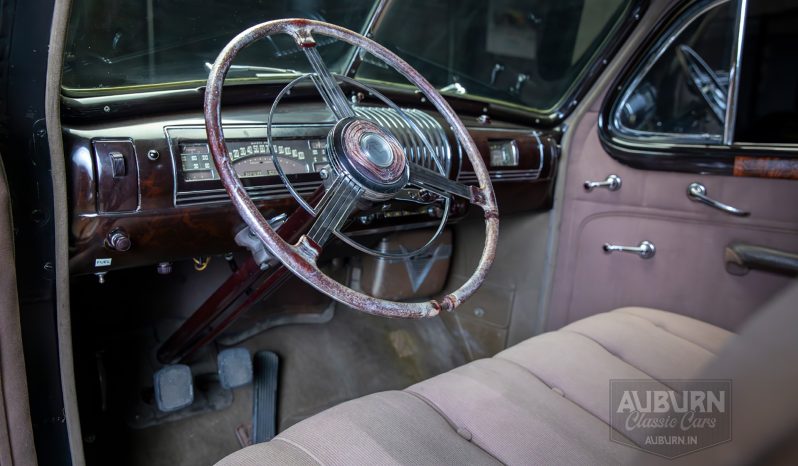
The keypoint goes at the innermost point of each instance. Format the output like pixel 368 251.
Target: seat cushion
pixel 542 401
pixel 384 428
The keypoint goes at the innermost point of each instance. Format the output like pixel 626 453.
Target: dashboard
pixel 144 190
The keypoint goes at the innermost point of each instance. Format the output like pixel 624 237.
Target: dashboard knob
pixel 118 240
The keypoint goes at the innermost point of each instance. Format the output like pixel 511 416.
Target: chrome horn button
pixel 370 155
pixel 377 149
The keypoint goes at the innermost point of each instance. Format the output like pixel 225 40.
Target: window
pixel 680 93
pixel 714 88
pixel 767 109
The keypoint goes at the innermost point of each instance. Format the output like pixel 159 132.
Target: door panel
pixel 687 275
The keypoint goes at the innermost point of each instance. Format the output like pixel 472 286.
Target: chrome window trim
pixel 768 146
pixel 621 131
pixel 734 74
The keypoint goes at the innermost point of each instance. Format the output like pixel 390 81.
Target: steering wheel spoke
pixel 338 203
pixel 431 181
pixel 324 81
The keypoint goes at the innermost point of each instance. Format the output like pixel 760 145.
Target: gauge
pixel 503 153
pixel 252 159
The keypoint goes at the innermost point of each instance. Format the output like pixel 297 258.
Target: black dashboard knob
pixel 118 240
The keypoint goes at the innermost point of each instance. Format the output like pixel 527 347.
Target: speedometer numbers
pixel 252 159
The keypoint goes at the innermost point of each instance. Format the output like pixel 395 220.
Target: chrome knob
pixel 613 183
pixel 118 240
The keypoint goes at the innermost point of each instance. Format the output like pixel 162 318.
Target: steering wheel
pixel 367 164
pixel 704 80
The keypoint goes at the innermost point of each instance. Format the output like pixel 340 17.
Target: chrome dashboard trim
pixel 258 193
pixel 414 148
pixel 497 176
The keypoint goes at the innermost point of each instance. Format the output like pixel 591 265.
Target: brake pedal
pixel 264 412
pixel 174 387
pixel 235 367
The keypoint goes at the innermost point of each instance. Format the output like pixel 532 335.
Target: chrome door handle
pixel 613 183
pixel 697 192
pixel 645 250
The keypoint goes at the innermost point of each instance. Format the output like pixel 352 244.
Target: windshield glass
pixel 124 43
pixel 526 52
pixel 523 52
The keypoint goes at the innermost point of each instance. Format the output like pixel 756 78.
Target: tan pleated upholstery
pixel 383 428
pixel 16 432
pixel 544 401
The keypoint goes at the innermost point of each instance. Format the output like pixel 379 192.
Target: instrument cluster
pixel 253 158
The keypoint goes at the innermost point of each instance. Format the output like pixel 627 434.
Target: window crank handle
pixel 645 250
pixel 613 183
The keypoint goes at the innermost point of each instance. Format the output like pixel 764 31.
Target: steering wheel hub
pixel 369 155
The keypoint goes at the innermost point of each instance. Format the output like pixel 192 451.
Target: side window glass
pixel 680 92
pixel 767 108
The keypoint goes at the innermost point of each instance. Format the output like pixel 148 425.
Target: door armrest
pixel 741 257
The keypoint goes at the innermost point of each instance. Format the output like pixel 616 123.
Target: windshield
pixel 526 53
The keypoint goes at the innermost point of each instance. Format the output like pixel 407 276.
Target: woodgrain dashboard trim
pixel 162 231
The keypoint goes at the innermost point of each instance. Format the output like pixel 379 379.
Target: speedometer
pixel 252 159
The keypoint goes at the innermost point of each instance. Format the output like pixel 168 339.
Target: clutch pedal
pixel 174 387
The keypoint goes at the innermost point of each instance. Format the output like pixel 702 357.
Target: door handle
pixel 613 183
pixel 697 192
pixel 645 250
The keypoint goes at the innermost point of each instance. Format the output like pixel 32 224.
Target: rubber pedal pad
pixel 174 387
pixel 235 367
pixel 264 411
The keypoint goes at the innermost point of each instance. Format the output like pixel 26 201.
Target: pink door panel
pixel 687 274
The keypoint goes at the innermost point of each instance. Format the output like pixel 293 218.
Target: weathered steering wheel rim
pixel 300 258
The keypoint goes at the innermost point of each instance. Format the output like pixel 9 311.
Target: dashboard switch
pixel 117 180
pixel 118 166
pixel 118 240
